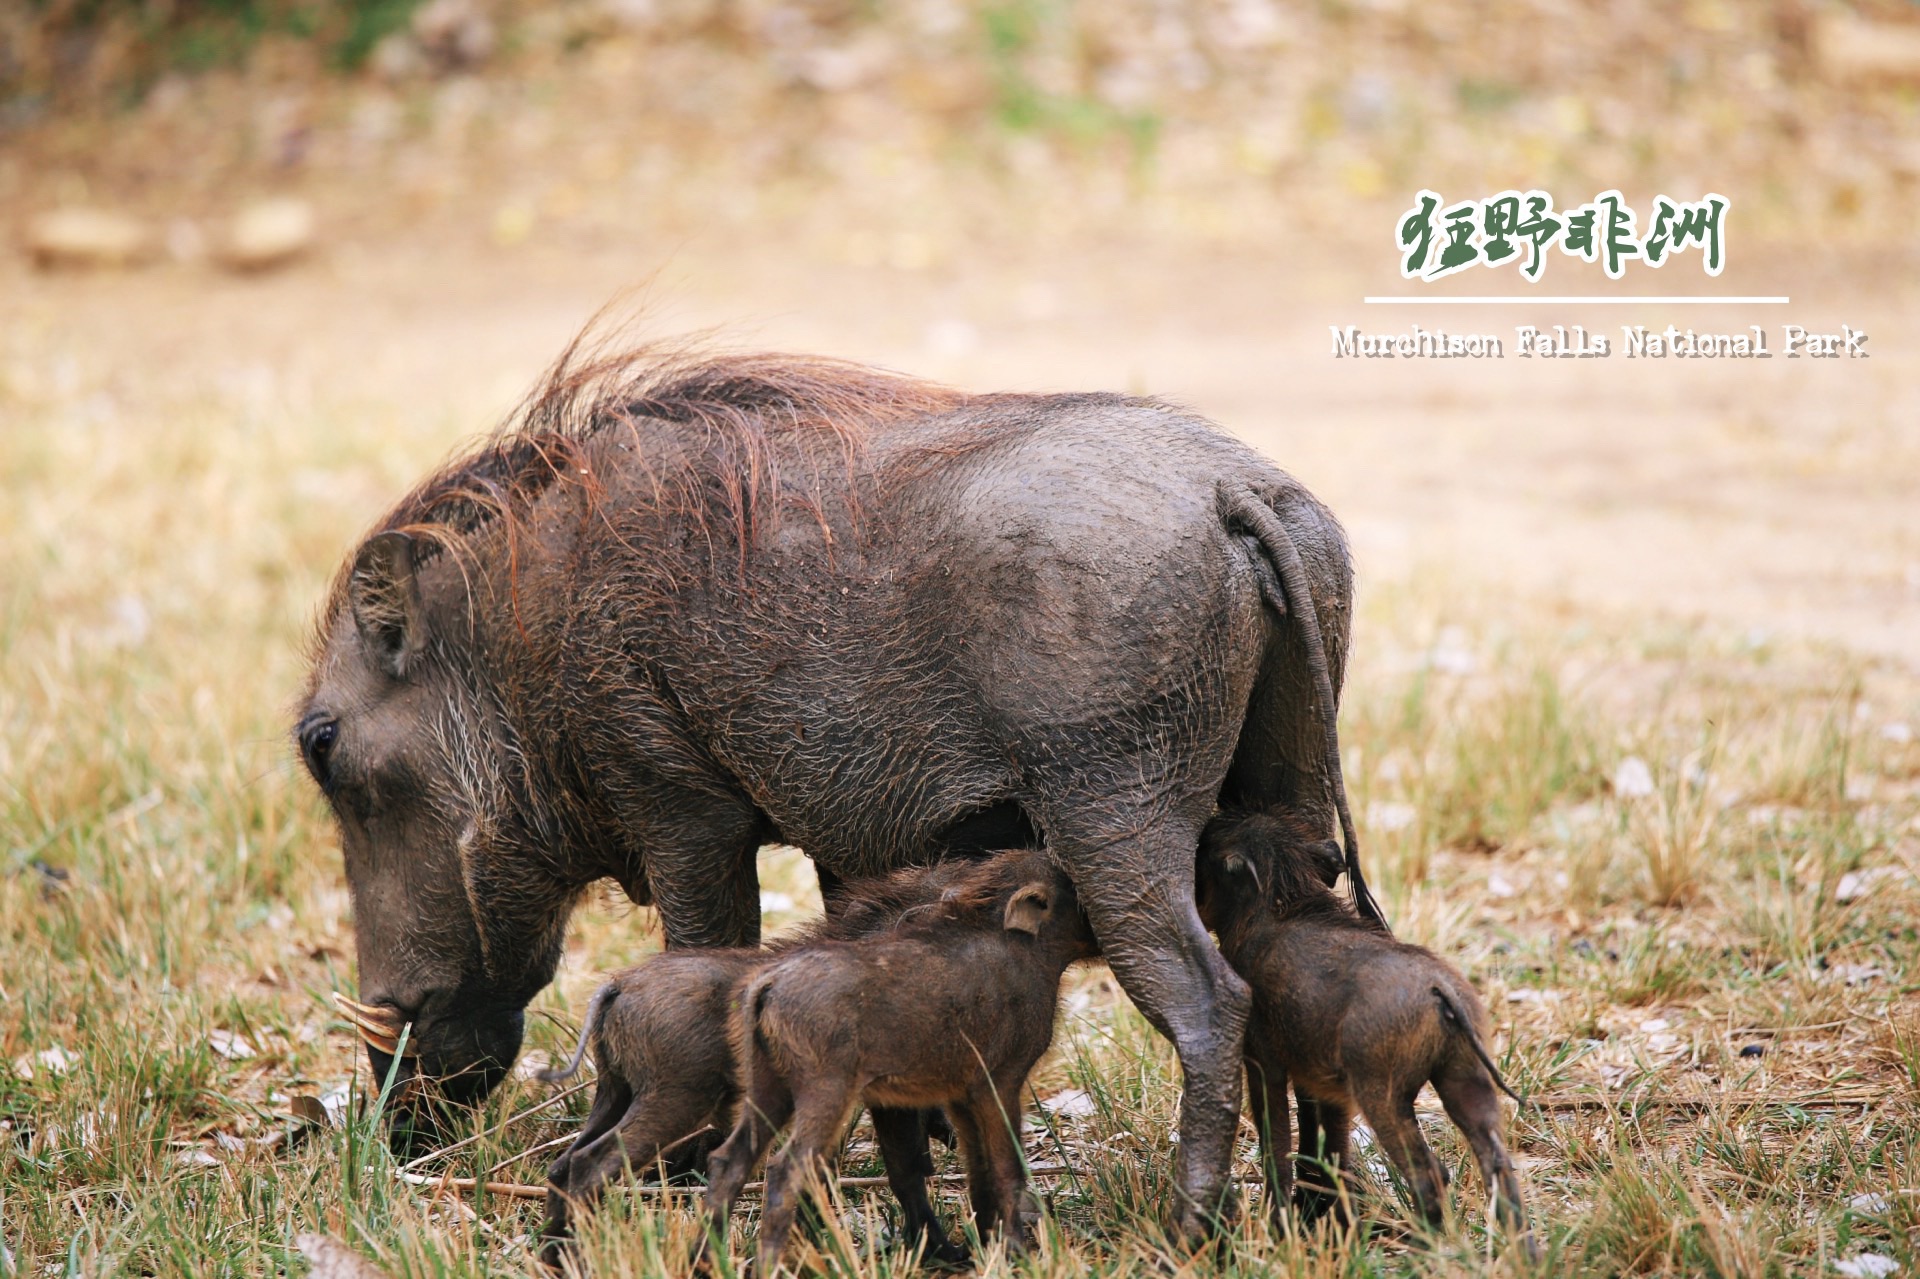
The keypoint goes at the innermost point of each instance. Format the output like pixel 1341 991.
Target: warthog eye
pixel 317 735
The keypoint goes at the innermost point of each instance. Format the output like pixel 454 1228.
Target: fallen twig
pixel 538 1106
pixel 1789 1030
pixel 520 1190
pixel 1598 1101
pixel 508 1189
pixel 564 1139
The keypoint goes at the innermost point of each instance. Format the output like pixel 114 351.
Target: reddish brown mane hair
pixel 967 892
pixel 738 421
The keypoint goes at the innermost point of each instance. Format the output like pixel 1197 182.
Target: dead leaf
pixel 309 1109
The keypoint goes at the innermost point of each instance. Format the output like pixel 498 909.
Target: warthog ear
pixel 385 596
pixel 1027 910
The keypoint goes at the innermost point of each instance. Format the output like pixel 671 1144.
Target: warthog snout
pixel 447 1056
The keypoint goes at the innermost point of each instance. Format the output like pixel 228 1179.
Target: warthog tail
pixel 1461 1026
pixel 1291 594
pixel 595 1007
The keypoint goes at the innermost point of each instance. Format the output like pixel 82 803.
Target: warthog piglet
pixel 950 1008
pixel 1353 1018
pixel 659 1037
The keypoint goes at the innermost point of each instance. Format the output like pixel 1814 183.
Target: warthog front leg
pixel 702 872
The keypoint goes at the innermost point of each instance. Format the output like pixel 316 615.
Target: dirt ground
pixel 1773 499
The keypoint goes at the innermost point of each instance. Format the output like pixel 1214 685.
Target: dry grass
pixel 168 882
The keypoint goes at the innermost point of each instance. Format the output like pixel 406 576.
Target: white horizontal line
pixel 1586 301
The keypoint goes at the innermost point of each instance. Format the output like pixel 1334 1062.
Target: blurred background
pixel 846 123
pixel 408 207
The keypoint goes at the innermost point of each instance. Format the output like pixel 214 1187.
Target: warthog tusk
pixel 379 1021
pixel 365 1012
pixel 388 1044
pixel 379 1037
pixel 379 1027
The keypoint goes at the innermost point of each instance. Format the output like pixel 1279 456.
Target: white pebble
pixel 1633 779
pixel 55 1061
pixel 1073 1103
pixel 1856 884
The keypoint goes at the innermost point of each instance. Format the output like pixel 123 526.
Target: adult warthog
pixel 682 607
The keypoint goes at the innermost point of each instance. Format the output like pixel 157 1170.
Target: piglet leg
pixel 1390 1112
pixel 767 1105
pixel 902 1137
pixel 610 1103
pixel 1267 1098
pixel 981 1191
pixel 820 1116
pixel 1475 1108
pixel 996 1116
pixel 656 1122
pixel 1325 1151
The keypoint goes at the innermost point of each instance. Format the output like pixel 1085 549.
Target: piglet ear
pixel 385 596
pixel 1329 860
pixel 1241 864
pixel 1027 910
